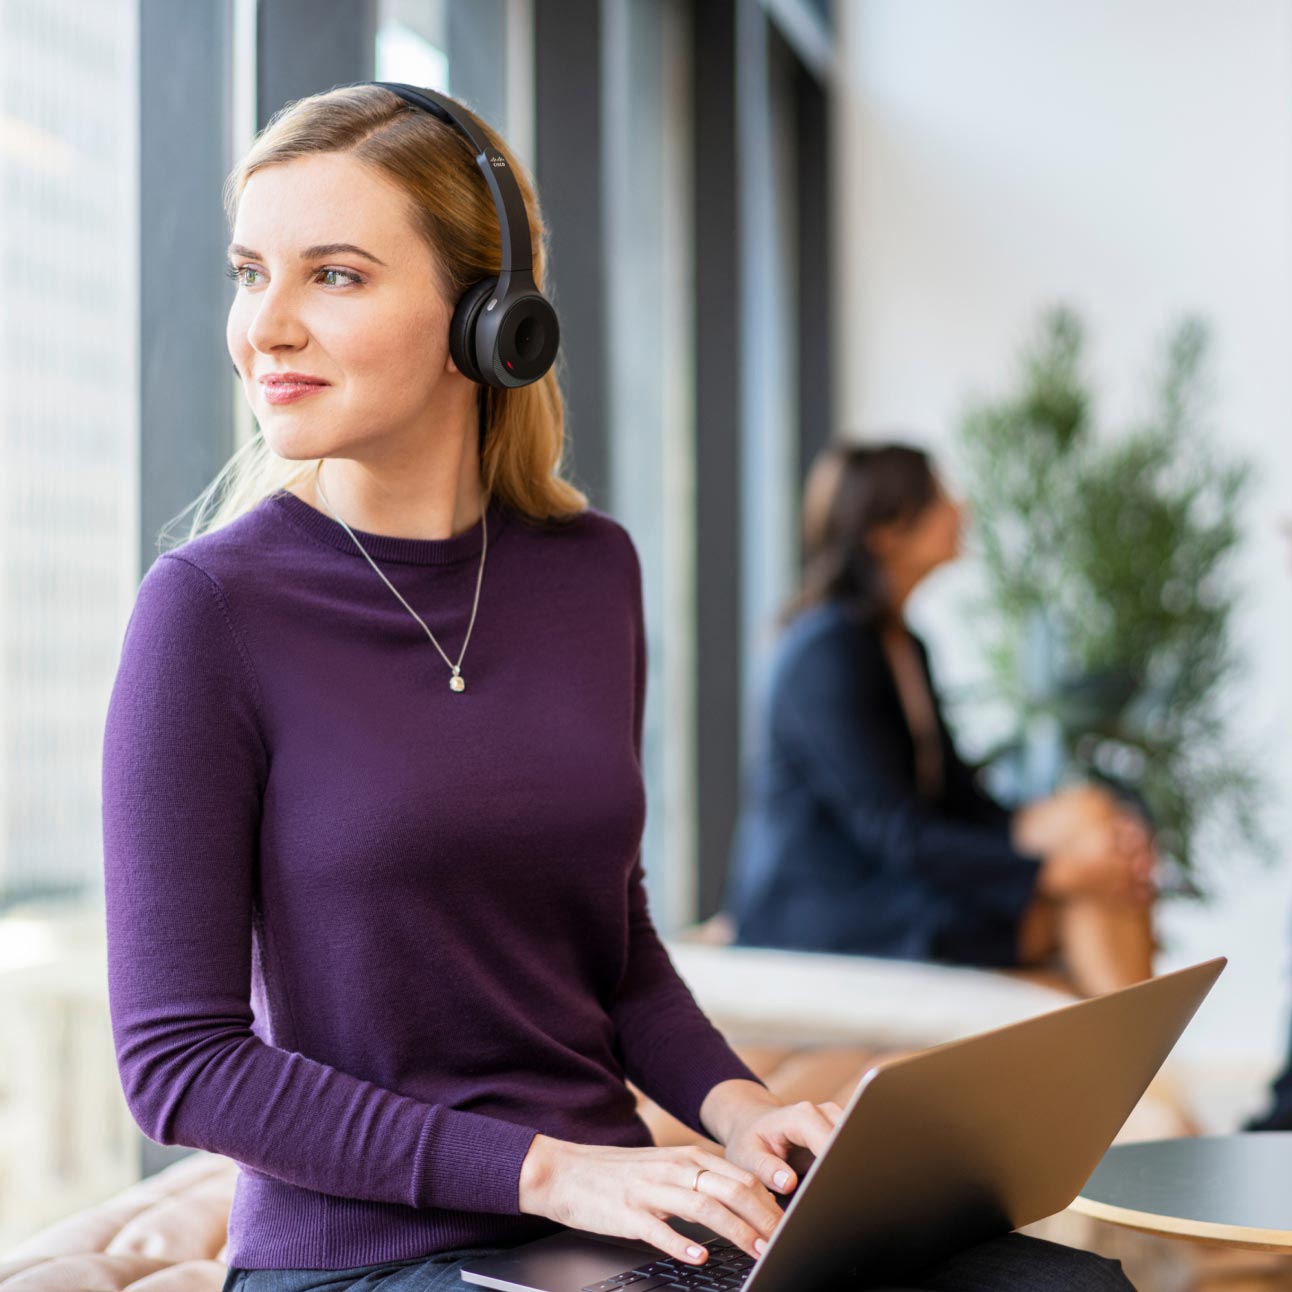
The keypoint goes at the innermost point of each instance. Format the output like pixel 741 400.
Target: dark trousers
pixel 1279 1116
pixel 1014 1263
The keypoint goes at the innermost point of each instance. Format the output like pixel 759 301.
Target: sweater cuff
pixel 469 1162
pixel 690 1086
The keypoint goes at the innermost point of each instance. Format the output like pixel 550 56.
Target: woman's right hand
pixel 1046 824
pixel 628 1192
pixel 1113 860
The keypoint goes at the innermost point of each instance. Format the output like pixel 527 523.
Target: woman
pixel 376 920
pixel 863 831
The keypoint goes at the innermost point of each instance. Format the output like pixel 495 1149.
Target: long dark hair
pixel 851 488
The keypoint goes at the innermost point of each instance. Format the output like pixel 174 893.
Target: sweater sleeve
pixel 824 707
pixel 185 765
pixel 668 1046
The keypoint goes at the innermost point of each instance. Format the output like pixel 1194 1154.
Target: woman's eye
pixel 345 273
pixel 236 271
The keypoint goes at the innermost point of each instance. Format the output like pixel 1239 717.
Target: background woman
pixel 862 828
pixel 377 926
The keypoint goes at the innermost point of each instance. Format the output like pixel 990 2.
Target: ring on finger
pixel 695 1184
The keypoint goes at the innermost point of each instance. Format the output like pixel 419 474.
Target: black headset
pixel 504 331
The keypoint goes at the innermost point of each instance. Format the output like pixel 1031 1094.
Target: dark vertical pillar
pixel 719 649
pixel 477 33
pixel 304 47
pixel 815 250
pixel 185 395
pixel 568 125
pixel 185 392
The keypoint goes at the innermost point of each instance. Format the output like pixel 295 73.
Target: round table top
pixel 1229 1189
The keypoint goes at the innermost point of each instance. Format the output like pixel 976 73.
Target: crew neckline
pixel 389 547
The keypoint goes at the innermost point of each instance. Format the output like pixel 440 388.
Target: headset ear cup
pixel 462 327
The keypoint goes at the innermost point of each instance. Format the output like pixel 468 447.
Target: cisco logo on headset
pixel 498 162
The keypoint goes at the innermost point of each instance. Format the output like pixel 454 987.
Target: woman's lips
pixel 288 392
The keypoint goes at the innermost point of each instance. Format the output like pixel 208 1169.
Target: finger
pixel 706 1209
pixel 808 1126
pixel 1136 893
pixel 699 1159
pixel 1130 886
pixel 731 1174
pixel 1132 842
pixel 1147 866
pixel 775 1172
pixel 670 1242
pixel 1135 848
pixel 1133 828
pixel 750 1201
pixel 832 1111
pixel 802 1124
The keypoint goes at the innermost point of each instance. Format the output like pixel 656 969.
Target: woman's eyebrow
pixel 311 253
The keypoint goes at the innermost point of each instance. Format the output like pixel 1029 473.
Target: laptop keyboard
pixel 725 1271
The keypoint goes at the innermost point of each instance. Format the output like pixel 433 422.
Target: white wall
pixel 1132 158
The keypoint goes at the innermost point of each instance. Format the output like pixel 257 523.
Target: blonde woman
pixel 371 786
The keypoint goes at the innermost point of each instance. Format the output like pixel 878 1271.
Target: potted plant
pixel 1109 593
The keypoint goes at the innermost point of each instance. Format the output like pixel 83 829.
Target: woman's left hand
pixel 760 1133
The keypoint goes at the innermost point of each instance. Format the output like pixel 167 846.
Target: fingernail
pixel 781 1179
pixel 760 1245
pixel 695 1252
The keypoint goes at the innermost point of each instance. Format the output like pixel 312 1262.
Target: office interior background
pixel 772 222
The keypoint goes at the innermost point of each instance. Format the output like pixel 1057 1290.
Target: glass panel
pixel 770 467
pixel 651 385
pixel 69 414
pixel 68 201
pixel 824 10
pixel 461 47
pixel 413 43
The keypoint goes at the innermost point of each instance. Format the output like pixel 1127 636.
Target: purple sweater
pixel 367 935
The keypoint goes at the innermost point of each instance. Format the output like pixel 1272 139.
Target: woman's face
pixel 932 538
pixel 936 535
pixel 374 327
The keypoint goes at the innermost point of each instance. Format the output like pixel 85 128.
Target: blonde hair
pixel 450 205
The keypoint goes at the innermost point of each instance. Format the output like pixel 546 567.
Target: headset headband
pixel 513 221
pixel 504 332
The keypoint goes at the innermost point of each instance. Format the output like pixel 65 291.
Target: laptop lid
pixel 956 1144
pixel 936 1150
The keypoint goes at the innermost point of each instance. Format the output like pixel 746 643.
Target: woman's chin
pixel 299 447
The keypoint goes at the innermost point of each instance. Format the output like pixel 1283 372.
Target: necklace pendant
pixel 457 683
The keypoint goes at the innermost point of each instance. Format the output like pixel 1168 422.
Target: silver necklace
pixel 456 682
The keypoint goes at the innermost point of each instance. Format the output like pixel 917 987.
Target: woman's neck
pixel 422 497
pixel 900 584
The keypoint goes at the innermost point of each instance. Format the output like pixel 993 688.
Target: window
pixel 480 51
pixel 650 381
pixel 69 162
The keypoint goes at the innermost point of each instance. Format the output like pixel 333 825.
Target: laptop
pixel 935 1152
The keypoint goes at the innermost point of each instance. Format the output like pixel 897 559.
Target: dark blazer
pixel 835 849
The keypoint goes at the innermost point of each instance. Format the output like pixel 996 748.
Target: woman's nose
pixel 275 321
